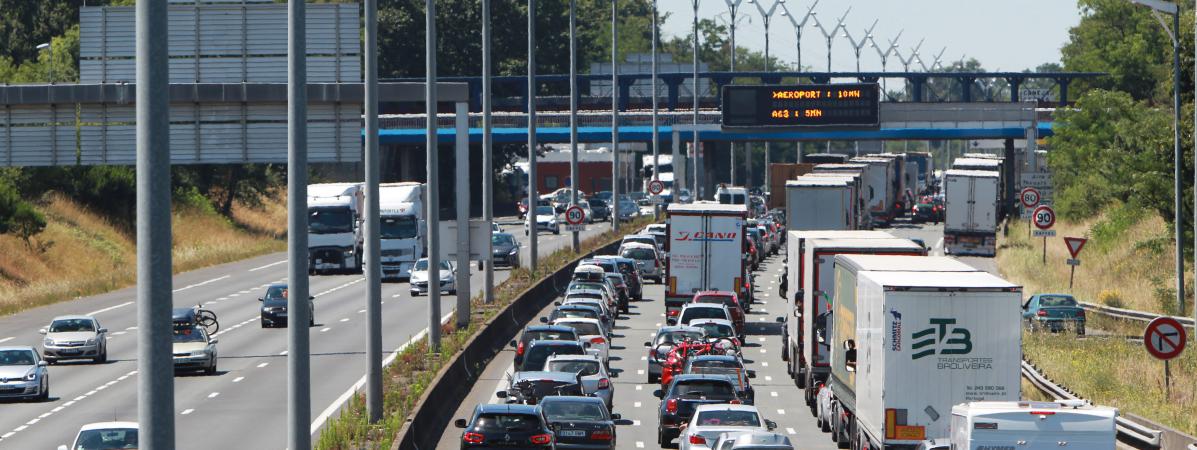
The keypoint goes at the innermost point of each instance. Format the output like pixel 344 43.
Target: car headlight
pixel 48 342
pixel 32 375
pixel 203 352
pixel 514 250
pixel 90 342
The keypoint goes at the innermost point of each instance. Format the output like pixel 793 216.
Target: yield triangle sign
pixel 1075 245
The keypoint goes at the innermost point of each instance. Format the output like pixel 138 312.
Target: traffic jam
pixel 808 326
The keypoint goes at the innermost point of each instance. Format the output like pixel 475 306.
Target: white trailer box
pixel 854 180
pixel 706 251
pixel 858 172
pixel 334 231
pixel 819 203
pixel 928 341
pixel 1070 424
pixel 818 290
pixel 879 193
pixel 913 185
pixel 971 212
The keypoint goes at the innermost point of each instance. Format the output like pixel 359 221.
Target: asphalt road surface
pixel 244 404
pixel 777 397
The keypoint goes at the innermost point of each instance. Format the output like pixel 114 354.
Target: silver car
pixel 75 337
pixel 648 261
pixel 595 379
pixel 23 374
pixel 663 341
pixel 193 349
pixel 419 278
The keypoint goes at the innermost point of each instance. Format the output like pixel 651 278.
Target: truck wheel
pixel 807 390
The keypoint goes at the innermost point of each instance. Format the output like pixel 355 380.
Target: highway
pixel 244 404
pixel 777 397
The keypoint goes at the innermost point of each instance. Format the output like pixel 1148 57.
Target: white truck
pixel 402 233
pixel 929 341
pixel 1022 425
pixel 705 251
pixel 334 212
pixel 817 291
pixel 859 218
pixel 880 192
pixel 820 203
pixel 985 162
pixel 858 172
pixel 971 212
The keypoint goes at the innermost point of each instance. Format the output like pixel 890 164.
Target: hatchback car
pixel 539 351
pixel 596 382
pixel 541 333
pixel 274 307
pixel 684 395
pixel 23 374
pixel 74 337
pixel 711 421
pixel 648 261
pixel 506 425
pixel 104 436
pixel 593 334
pixel 545 220
pixel 506 250
pixel 1053 312
pixel 574 311
pixel 419 278
pixel 193 349
pixel 728 299
pixel 694 311
pixel 581 422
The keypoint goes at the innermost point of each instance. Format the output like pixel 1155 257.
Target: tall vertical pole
pixel 615 112
pixel 573 111
pixel 299 383
pixel 1178 36
pixel 697 191
pixel 1176 163
pixel 488 195
pixel 768 68
pixel 433 168
pixel 462 197
pixel 532 194
pixel 656 138
pixel 733 8
pixel 372 257
pixel 155 385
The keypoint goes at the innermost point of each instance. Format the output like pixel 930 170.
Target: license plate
pixel 573 433
pixel 282 314
pixel 68 352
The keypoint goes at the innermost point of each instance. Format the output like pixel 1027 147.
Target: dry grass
pixel 82 254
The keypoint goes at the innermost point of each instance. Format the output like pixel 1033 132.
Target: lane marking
pixel 186 412
pixel 238 379
pixel 790 431
pixel 200 284
pixel 764 364
pixel 345 319
pixel 639 387
pixel 63 406
pixel 636 405
pixel 110 308
pixel 255 269
pixel 213 395
pixel 639 444
pixel 768 378
pixel 283 353
pixel 325 329
pixel 773 394
pixel 263 365
pixel 781 412
pixel 6 339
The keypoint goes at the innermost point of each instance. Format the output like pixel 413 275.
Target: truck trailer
pixel 706 251
pixel 1063 424
pixel 927 341
pixel 880 188
pixel 820 203
pixel 971 212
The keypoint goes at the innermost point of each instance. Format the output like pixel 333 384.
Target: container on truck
pixel 705 251
pixel 914 185
pixel 779 173
pixel 860 172
pixel 1023 425
pixel 901 202
pixel 927 341
pixel 819 203
pixel 825 158
pixel 971 212
pixel 859 219
pixel 816 293
pixel 879 193
pixel 986 162
pixel 334 213
pixel 926 171
pixel 402 230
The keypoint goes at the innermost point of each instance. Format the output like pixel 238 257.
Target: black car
pixel 581 422
pixel 532 386
pixel 506 250
pixel 685 394
pixel 505 426
pixel 541 333
pixel 599 210
pixel 274 307
pixel 538 351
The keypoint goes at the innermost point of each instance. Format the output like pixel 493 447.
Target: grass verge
pixel 406 379
pixel 80 253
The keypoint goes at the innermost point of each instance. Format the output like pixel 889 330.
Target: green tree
pixel 25 24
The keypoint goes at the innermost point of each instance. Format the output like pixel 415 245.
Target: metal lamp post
pixel 733 9
pixel 857 46
pixel 798 24
pixel 656 138
pixel 615 112
pixel 830 35
pixel 697 194
pixel 488 196
pixel 767 17
pixel 1158 7
pixel 893 46
pixel 573 111
pixel 533 233
pixel 935 63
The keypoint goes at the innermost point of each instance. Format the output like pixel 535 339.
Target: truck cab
pixel 333 227
pixel 402 227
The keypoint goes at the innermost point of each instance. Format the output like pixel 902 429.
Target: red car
pixel 728 299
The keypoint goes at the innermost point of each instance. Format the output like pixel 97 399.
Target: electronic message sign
pixel 803 106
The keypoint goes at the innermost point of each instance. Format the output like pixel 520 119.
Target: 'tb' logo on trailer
pixel 941 338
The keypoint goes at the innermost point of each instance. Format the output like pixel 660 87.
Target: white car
pixel 419 278
pixel 575 297
pixel 648 261
pixel 595 379
pixel 105 435
pixel 711 421
pixel 585 205
pixel 592 332
pixel 546 220
pixel 193 349
pixel 74 337
pixel 694 311
pixel 23 374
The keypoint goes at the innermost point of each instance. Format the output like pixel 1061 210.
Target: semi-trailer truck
pixel 403 229
pixel 859 219
pixel 820 203
pixel 1067 424
pixel 705 252
pixel 971 212
pixel 879 181
pixel 334 212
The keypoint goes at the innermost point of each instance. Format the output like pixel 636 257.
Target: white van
pixel 1026 425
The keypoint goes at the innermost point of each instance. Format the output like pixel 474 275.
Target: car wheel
pixel 453 292
pixel 652 379
pixel 661 440
pixel 211 370
pixel 101 358
pixel 557 230
pixel 45 391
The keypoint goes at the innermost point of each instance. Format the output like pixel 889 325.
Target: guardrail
pixel 1129 432
pixel 1131 314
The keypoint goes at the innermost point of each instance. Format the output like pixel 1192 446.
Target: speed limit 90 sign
pixel 1044 217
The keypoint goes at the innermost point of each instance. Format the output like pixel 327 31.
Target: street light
pixel 884 55
pixel 935 62
pixel 767 16
pixel 733 8
pixel 50 65
pixel 829 35
pixel 914 54
pixel 573 112
pixel 697 190
pixel 857 46
pixel 656 138
pixel 1158 7
pixel 798 24
pixel 615 114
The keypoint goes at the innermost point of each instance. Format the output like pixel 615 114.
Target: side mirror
pixel 102 330
pixel 781 319
pixel 544 320
pixel 513 344
pixel 501 394
pixel 311 297
pixel 770 424
pixel 557 303
pixel 659 394
pixel 42 363
pixel 671 321
pixel 751 374
pixel 214 341
pixel 648 344
pixel 623 422
pixel 459 423
pixel 616 416
pixel 260 299
pixel 42 331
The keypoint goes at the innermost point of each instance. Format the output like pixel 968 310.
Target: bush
pixel 1111 298
pixel 17 216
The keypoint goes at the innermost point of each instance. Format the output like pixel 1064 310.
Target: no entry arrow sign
pixel 1074 245
pixel 1164 338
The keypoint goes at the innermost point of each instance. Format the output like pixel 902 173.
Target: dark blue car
pixel 1053 312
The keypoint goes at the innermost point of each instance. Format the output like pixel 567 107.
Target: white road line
pixel 6 339
pixel 263 365
pixel 639 444
pixel 762 339
pixel 186 412
pixel 110 308
pixel 763 350
pixel 781 412
pixel 764 364
pixel 636 405
pixel 361 311
pixel 773 394
pixel 639 371
pixel 213 395
pixel 255 269
pixel 115 333
pixel 790 431
pixel 325 329
pixel 200 284
pixel 345 319
pixel 238 379
pixel 639 387
pixel 768 378
pixel 282 353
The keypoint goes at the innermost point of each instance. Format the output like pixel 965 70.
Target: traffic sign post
pixel 575 218
pixel 1165 339
pixel 655 188
pixel 1074 248
pixel 1029 198
pixel 1044 219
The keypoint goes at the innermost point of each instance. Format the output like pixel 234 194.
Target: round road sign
pixel 1164 338
pixel 1044 217
pixel 1030 197
pixel 574 215
pixel 656 187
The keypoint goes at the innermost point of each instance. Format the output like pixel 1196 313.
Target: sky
pixel 1007 35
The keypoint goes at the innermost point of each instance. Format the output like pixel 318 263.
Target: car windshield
pixel 729 418
pixel 328 220
pixel 716 330
pixel 577 313
pixel 17 358
pixel 703 388
pixel 584 328
pixel 550 335
pixel 189 334
pixel 577 286
pixel 702 313
pixel 615 278
pixel 71 325
pixel 401 227
pixel 715 364
pixel 1049 301
pixel 639 253
pixel 674 337
pixel 423 265
pixel 106 439
pixel 597 203
pixel 544 210
pixel 716 300
pixel 587 368
pixel 276 293
pixel 627 205
pixel 502 239
pixel 536 357
pixel 567 410
pixel 508 422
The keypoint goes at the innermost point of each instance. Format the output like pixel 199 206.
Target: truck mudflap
pixel 674 303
